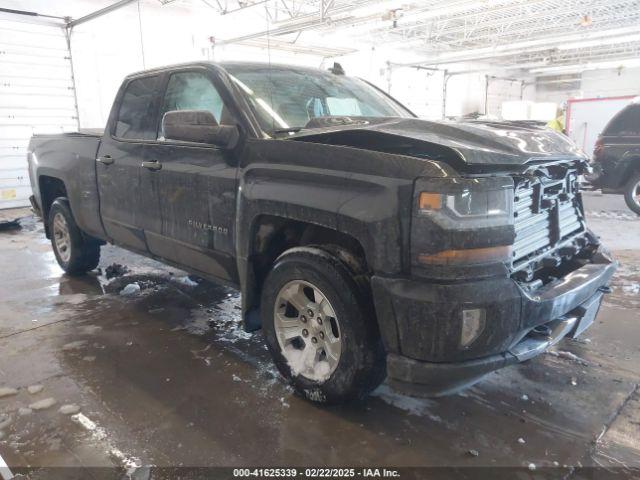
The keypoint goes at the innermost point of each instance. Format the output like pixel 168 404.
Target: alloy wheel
pixel 61 237
pixel 307 330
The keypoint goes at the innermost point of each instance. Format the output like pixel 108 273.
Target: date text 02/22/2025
pixel 316 473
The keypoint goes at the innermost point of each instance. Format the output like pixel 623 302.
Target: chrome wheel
pixel 61 237
pixel 635 194
pixel 307 330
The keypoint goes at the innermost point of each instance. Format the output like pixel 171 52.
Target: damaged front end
pixel 502 267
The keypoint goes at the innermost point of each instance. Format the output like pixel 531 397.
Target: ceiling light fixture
pixel 586 21
pixel 600 42
pixel 634 62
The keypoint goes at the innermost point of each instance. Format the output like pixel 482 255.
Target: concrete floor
pixel 165 377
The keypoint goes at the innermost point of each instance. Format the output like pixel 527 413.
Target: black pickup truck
pixel 616 156
pixel 366 242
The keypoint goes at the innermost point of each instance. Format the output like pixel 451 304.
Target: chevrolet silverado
pixel 366 242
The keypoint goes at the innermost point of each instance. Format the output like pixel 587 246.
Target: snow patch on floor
pixel 7 392
pixel 99 434
pixel 74 345
pixel 186 281
pixel 43 404
pixel 414 406
pixel 197 323
pixel 224 318
pixel 90 329
pixel 35 389
pixel 70 409
pixel 130 289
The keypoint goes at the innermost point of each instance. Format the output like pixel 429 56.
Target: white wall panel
pixel 420 90
pixel 36 96
pixel 501 90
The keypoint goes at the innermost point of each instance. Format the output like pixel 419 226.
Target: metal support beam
pixel 28 14
pixel 325 6
pixel 67 35
pixel 32 17
pixel 99 13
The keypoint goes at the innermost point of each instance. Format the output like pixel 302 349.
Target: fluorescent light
pixel 600 41
pixel 452 8
pixel 587 66
pixel 375 8
pixel 524 46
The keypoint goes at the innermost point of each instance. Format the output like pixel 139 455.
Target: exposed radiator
pixel 547 215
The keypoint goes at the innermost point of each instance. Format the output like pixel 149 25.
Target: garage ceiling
pixel 541 37
pixel 537 35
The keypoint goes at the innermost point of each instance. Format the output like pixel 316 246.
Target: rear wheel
pixel 320 330
pixel 75 253
pixel 632 193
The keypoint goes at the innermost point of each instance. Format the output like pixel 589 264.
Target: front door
pixel 196 185
pixel 125 205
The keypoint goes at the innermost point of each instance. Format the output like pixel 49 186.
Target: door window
pixel 626 123
pixel 136 116
pixel 194 91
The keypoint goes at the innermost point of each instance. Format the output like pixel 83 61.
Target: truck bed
pixel 71 158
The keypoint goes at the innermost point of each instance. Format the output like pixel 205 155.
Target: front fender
pixel 360 193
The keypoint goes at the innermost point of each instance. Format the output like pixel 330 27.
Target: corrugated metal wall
pixel 36 96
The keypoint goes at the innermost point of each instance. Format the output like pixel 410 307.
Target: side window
pixel 194 91
pixel 136 117
pixel 626 123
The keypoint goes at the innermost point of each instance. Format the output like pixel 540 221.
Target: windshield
pixel 286 99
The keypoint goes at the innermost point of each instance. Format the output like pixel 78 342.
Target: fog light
pixel 472 325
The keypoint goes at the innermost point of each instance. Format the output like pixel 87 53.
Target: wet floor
pixel 166 377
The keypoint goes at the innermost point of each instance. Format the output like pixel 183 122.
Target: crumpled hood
pixel 473 142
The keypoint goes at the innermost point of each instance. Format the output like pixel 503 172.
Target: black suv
pixel 616 157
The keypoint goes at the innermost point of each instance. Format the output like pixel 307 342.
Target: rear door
pixel 197 183
pixel 125 206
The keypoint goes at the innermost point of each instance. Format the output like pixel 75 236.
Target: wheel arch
pixel 271 235
pixel 50 188
pixel 631 166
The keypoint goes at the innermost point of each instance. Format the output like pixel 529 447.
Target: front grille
pixel 547 214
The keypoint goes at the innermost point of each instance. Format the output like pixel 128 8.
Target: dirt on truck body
pixel 366 242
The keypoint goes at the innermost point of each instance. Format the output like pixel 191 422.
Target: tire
pixel 632 193
pixel 349 319
pixel 76 254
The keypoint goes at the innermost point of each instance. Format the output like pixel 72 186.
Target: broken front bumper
pixel 421 322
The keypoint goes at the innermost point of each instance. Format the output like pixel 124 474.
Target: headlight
pixel 462 203
pixel 463 221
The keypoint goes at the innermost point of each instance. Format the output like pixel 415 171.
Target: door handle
pixel 105 160
pixel 152 165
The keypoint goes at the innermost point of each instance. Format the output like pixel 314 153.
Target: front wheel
pixel 320 329
pixel 632 193
pixel 76 254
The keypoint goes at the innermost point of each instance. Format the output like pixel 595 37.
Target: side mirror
pixel 198 126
